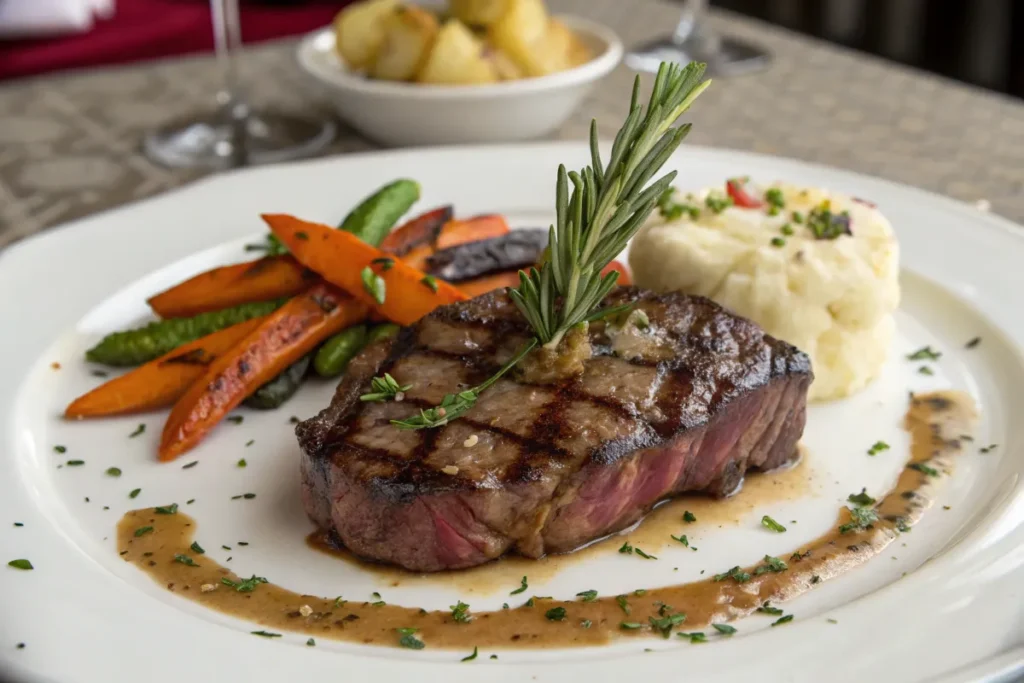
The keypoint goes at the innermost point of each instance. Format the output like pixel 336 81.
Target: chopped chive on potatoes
pixel 473 42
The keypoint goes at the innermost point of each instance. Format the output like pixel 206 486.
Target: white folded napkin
pixel 40 18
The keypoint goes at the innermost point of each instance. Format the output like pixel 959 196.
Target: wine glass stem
pixel 227 40
pixel 691 23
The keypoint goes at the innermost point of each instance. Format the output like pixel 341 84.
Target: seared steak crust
pixel 688 404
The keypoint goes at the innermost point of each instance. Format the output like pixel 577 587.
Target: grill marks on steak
pixel 701 397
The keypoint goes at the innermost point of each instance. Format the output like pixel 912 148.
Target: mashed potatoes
pixel 789 264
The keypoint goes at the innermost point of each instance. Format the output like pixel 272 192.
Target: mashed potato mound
pixel 832 298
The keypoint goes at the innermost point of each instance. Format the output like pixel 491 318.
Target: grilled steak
pixel 688 403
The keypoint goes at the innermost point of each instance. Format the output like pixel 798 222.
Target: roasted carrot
pixel 417 232
pixel 160 382
pixel 624 277
pixel 279 340
pixel 488 283
pixel 401 293
pixel 271 277
pixel 456 232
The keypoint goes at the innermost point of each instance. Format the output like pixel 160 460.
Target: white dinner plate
pixel 943 601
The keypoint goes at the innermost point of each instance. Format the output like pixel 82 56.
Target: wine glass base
pixel 725 56
pixel 217 141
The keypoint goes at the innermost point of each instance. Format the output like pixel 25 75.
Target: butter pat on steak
pixel 687 404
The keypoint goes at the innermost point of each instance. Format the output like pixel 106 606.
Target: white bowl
pixel 402 114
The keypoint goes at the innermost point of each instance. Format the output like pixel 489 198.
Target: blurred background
pixel 967 40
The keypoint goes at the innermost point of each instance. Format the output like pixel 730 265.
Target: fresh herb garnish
pixel 198 549
pixel 925 353
pixel 166 509
pixel 724 629
pixel 21 564
pixel 586 623
pixel 972 343
pixel 134 493
pixel 143 530
pixel 695 637
pixel 60 449
pixel 588 596
pixel 236 419
pixel 630 625
pixel 626 548
pixel 771 564
pixel 185 560
pixel 607 206
pixel 246 586
pixel 430 281
pixel 672 210
pixel 924 469
pixel 384 263
pixel 471 657
pixel 241 463
pixel 664 625
pixel 736 574
pixel 925 370
pixel 878 447
pixel 384 388
pixel 988 449
pixel 644 555
pixel 555 614
pixel 682 539
pixel 460 613
pixel 338 602
pixel 408 639
pixel 624 604
pixel 773 196
pixel 783 620
pixel 374 285
pixel 861 498
pixel 766 608
pixel 770 524
pixel 689 517
pixel 860 518
pixel 19 524
pixel 75 463
pixel 718 202
pixel 265 634
pixel 113 472
pixel 640 591
pixel 138 430
pixel 310 643
pixel 522 587
pixel 190 465
pixel 250 442
pixel 528 603
pixel 778 242
pixel 826 225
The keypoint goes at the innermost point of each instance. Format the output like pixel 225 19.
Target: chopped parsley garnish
pixel 770 524
pixel 682 539
pixel 373 284
pixel 21 564
pixel 588 596
pixel 190 465
pixel 832 621
pixel 773 196
pixel 786 230
pixel 265 634
pixel 198 549
pixel 250 442
pixel 384 388
pixel 75 463
pixel 626 548
pixel 925 353
pixel 630 625
pixel 724 629
pixel 528 603
pixel 138 430
pixel 18 524
pixel 470 658
pixel 134 493
pixel 171 509
pixel 640 592
pixel 718 203
pixel 689 517
pixel 783 620
pixel 860 518
pixel 242 463
pixel 522 587
pixel 736 574
pixel 185 560
pixel 624 604
pixel 925 370
pixel 60 449
pixel 430 281
pixel 302 235
pixel 246 586
pixel 695 637
pixel 143 530
pixel 310 643
pixel 771 564
pixel 235 419
pixel 798 217
pixel 586 623
pixel 385 263
pixel 988 449
pixel 338 602
pixel 664 625
pixel 861 498
pixel 408 639
pixel 766 608
pixel 924 469
pixel 878 447
pixel 974 342
pixel 555 614
pixel 826 225
pixel 644 555
pixel 460 612
pixel 778 242
pixel 113 471
pixel 672 210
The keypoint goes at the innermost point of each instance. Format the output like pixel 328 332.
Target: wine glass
pixel 694 40
pixel 234 135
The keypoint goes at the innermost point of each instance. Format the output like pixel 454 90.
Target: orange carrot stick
pixel 160 382
pixel 281 338
pixel 417 232
pixel 485 227
pixel 359 268
pixel 488 283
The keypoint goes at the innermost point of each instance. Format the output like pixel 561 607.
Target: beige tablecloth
pixel 69 144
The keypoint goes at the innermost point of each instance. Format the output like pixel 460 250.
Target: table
pixel 69 144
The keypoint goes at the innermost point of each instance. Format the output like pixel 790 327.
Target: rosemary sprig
pixel 384 388
pixel 607 206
